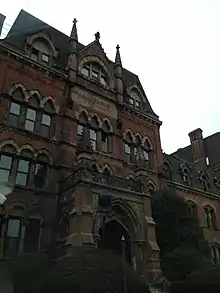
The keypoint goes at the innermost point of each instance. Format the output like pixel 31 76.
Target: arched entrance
pixel 111 238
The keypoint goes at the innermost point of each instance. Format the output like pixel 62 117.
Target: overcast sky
pixel 172 45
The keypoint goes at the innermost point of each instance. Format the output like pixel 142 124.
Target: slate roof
pixel 212 146
pixel 176 176
pixel 26 24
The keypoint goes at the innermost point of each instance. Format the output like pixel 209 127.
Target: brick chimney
pixel 198 148
pixel 2 19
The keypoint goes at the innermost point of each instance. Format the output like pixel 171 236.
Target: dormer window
pixel 134 100
pixel 94 72
pixel 40 52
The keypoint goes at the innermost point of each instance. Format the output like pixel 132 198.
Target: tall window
pixel 128 154
pixel 210 217
pixel 22 172
pixel 105 137
pixel 14 114
pixel 93 138
pixel 45 125
pixel 46 120
pixel 30 120
pixel 40 174
pixel 94 72
pixel 148 154
pixel 31 237
pixel 12 236
pixel 5 168
pixel 82 122
pixel 129 148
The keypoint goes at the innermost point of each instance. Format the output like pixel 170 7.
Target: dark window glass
pixel 14 114
pixel 31 237
pixel 12 236
pixel 45 125
pixel 30 120
pixel 40 175
pixel 5 167
pixel 22 172
pixel 34 54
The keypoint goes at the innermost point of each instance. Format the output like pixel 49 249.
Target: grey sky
pixel 173 45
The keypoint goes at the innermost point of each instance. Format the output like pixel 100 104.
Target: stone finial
pixel 84 145
pixel 117 56
pixel 97 36
pixel 74 35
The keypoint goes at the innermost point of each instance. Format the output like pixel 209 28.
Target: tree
pixel 203 281
pixel 86 270
pixel 176 225
pixel 183 247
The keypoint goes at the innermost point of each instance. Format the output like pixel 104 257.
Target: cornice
pixel 196 191
pixel 26 133
pixel 38 66
pixel 129 110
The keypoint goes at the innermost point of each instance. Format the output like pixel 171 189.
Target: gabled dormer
pixel 94 65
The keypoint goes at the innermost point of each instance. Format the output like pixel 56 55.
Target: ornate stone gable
pixel 95 49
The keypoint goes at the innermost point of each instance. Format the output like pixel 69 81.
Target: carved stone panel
pixel 94 103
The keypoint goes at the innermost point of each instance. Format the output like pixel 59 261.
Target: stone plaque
pixel 95 103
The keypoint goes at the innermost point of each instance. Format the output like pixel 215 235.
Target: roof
pixel 175 164
pixel 27 24
pixel 212 145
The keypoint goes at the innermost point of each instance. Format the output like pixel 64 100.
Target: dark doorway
pixel 111 235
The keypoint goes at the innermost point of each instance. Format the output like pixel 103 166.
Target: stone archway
pixel 111 238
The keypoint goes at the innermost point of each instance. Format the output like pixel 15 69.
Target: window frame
pixel 93 67
pixel 23 173
pixel 11 166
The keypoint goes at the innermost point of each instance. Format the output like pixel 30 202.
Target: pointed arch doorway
pixel 115 237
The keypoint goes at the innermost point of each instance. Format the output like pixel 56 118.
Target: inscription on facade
pixel 94 103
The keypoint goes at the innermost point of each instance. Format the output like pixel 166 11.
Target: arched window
pixel 40 171
pixel 95 72
pixel 15 117
pixel 23 168
pixel 30 117
pixel 93 132
pixel 94 168
pixel 105 132
pixel 31 114
pixel 46 124
pixel 148 154
pixel 192 207
pixel 129 148
pixel 210 217
pixel 83 121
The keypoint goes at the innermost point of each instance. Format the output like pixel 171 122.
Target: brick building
pixel 80 151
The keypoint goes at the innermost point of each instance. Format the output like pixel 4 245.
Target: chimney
pixel 198 148
pixel 2 19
